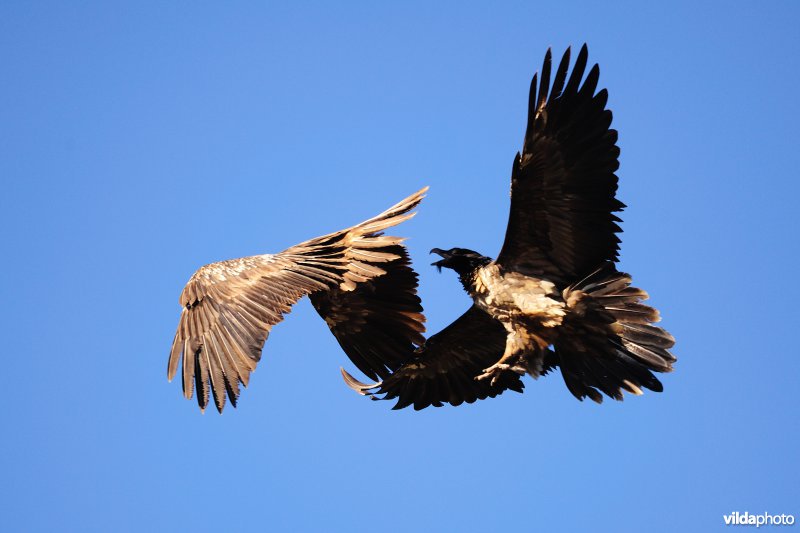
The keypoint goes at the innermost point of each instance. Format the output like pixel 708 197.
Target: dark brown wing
pixel 445 367
pixel 562 224
pixel 230 307
pixel 380 323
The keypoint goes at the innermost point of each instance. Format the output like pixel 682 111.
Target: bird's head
pixel 463 261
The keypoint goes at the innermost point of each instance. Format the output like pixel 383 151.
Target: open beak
pixel 439 264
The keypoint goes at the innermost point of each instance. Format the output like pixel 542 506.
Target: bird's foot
pixel 496 370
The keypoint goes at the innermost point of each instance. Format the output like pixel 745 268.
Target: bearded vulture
pixel 553 297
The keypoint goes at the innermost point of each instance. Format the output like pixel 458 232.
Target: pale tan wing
pixel 230 307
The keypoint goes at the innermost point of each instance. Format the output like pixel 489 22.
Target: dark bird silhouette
pixel 359 281
pixel 553 297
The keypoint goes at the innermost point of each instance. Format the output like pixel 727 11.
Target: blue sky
pixel 141 141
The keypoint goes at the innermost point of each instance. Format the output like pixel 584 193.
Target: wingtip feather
pixel 359 387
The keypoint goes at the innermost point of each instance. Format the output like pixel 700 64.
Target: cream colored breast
pixel 516 294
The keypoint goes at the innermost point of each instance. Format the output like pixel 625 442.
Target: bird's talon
pixel 496 370
pixel 493 372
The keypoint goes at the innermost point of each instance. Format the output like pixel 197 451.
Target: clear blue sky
pixel 141 141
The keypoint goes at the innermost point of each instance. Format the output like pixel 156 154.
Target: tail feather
pixel 647 335
pixel 634 313
pixel 656 358
pixel 608 343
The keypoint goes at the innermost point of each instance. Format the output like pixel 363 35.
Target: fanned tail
pixel 608 343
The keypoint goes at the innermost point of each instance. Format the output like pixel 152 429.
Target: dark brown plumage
pixel 359 281
pixel 444 369
pixel 380 322
pixel 553 297
pixel 561 224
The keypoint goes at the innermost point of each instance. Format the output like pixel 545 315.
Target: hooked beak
pixel 439 264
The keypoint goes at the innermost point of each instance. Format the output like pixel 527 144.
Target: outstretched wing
pixel 445 367
pixel 380 323
pixel 230 307
pixel 562 224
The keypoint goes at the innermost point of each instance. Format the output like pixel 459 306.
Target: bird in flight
pixel 359 280
pixel 553 298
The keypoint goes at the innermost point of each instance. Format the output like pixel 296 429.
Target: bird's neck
pixel 468 279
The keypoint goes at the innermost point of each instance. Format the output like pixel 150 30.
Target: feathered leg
pixel 523 354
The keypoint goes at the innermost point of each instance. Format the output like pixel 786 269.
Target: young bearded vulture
pixel 553 298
